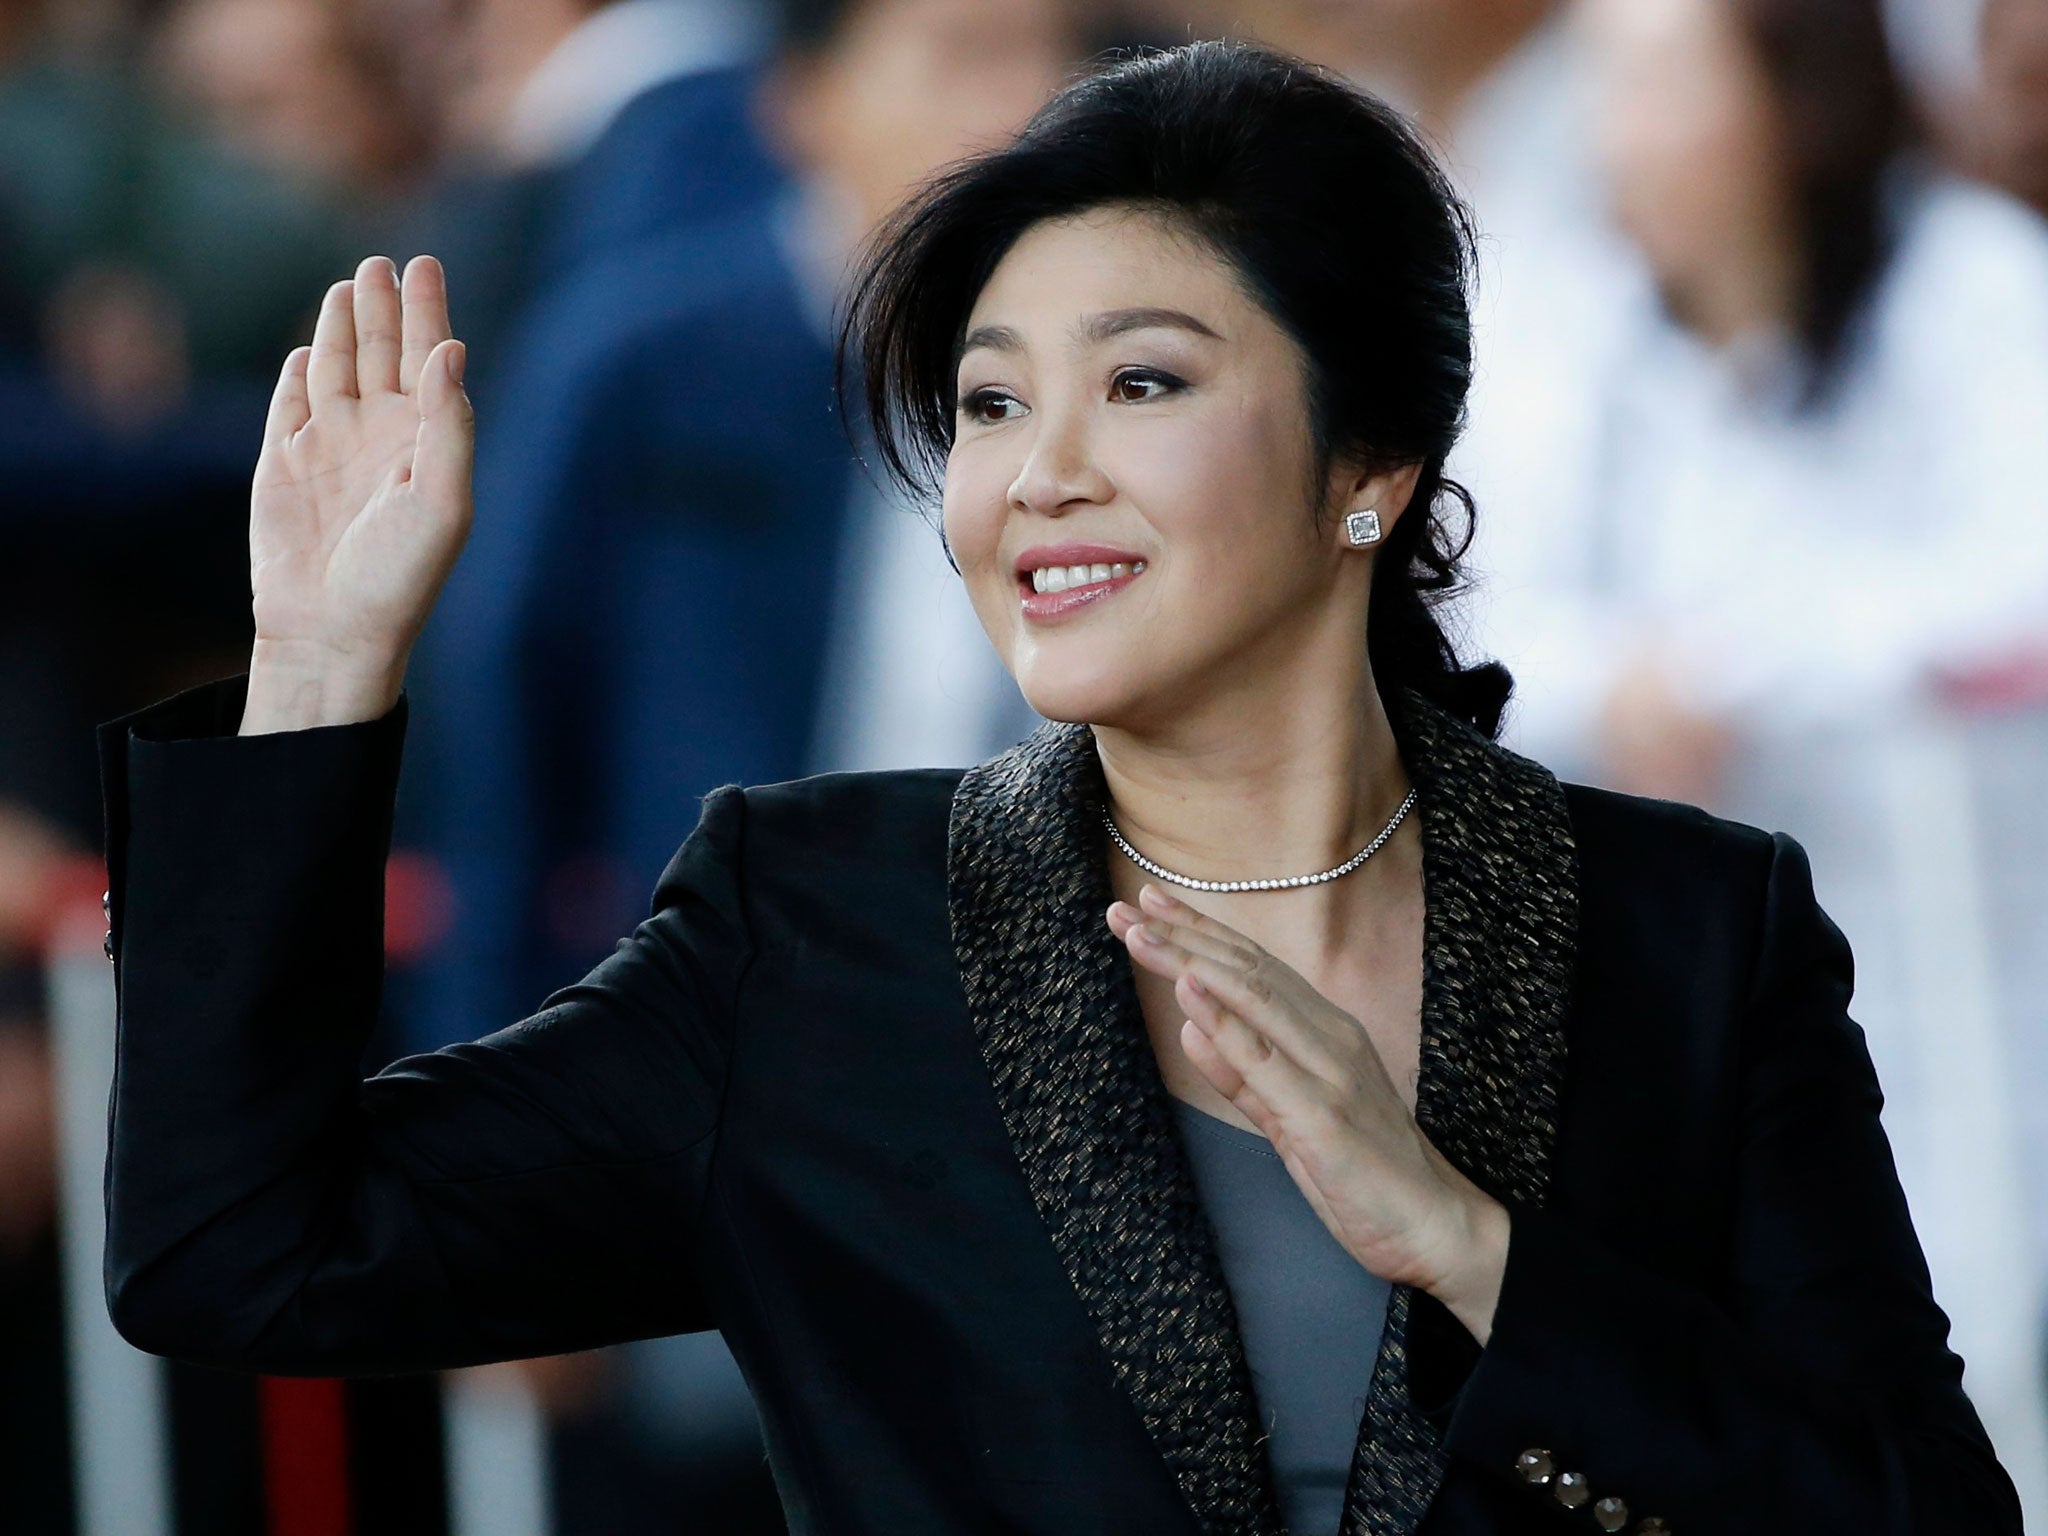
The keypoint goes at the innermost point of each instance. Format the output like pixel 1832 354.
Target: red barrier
pixel 305 1456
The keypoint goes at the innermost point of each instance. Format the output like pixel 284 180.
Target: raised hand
pixel 1308 1076
pixel 360 502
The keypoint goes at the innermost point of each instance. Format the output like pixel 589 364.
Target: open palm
pixel 361 497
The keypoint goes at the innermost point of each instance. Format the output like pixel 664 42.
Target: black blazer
pixel 869 1091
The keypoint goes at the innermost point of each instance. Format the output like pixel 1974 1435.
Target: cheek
pixel 1210 483
pixel 971 511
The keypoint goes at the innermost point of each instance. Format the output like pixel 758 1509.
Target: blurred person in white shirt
pixel 1504 88
pixel 1819 494
pixel 1823 449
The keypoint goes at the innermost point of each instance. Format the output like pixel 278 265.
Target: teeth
pixel 1060 578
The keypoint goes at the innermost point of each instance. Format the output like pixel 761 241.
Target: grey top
pixel 1310 1314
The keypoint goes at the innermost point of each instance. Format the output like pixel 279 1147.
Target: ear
pixel 1385 490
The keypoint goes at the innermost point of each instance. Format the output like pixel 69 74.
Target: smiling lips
pixel 1058 579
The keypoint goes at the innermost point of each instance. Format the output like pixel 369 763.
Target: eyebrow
pixel 1092 328
pixel 1116 322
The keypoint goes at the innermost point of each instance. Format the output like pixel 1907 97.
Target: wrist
pixel 296 685
pixel 1469 1285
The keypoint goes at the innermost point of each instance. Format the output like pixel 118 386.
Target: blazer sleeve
pixel 268 1208
pixel 1821 1395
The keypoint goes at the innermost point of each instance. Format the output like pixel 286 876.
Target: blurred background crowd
pixel 1759 446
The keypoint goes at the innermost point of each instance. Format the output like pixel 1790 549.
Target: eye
pixel 1143 378
pixel 975 406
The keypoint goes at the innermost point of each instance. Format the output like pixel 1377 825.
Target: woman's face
pixel 1127 412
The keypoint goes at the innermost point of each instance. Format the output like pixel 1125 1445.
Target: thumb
pixel 447 440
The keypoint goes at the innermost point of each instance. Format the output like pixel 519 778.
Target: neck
pixel 1745 294
pixel 1264 783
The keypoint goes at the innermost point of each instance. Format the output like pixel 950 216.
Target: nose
pixel 1059 471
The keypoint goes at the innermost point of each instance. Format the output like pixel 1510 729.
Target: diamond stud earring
pixel 1362 527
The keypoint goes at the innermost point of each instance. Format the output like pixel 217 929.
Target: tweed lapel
pixel 1500 944
pixel 1055 1013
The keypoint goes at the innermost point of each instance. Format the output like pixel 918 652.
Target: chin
pixel 1090 694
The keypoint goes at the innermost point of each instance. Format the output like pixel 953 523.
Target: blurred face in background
pixel 2012 110
pixel 907 85
pixel 1689 137
pixel 1426 54
pixel 288 83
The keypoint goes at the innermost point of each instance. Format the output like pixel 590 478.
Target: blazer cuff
pixel 1509 1401
pixel 205 793
pixel 1579 1332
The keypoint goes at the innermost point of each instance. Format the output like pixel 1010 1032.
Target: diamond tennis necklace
pixel 1193 884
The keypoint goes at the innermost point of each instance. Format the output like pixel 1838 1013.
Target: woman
pixel 1834 353
pixel 909 1083
pixel 1820 501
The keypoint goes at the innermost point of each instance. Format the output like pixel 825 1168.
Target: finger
pixel 1208 1014
pixel 447 441
pixel 1246 994
pixel 1245 997
pixel 1264 1105
pixel 290 409
pixel 1190 925
pixel 376 319
pixel 1226 1079
pixel 1168 949
pixel 1200 1048
pixel 1156 901
pixel 1150 948
pixel 1233 950
pixel 1122 916
pixel 331 370
pixel 1249 993
pixel 1204 974
pixel 424 321
pixel 1256 1061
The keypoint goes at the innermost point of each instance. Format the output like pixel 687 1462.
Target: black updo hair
pixel 1328 208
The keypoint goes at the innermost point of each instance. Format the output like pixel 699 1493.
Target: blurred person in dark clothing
pixel 665 467
pixel 156 246
pixel 572 128
pixel 172 186
pixel 306 87
pixel 675 476
pixel 35 1462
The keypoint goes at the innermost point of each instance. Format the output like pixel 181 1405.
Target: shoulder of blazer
pixel 873 819
pixel 824 803
pixel 1648 865
pixel 1641 829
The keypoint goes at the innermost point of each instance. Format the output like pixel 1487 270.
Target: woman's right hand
pixel 361 500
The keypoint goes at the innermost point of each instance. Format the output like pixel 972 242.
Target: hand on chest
pixel 1371 976
pixel 1240 1032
